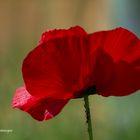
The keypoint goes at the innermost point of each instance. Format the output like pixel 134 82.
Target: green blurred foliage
pixel 22 23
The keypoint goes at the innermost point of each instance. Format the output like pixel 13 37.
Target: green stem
pixel 88 117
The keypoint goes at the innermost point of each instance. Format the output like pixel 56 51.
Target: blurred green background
pixel 21 25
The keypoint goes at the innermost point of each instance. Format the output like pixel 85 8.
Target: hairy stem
pixel 88 117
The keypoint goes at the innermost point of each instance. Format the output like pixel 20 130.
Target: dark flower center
pixel 88 91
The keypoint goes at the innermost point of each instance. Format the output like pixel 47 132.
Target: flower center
pixel 88 91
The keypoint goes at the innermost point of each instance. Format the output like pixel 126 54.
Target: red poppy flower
pixel 68 64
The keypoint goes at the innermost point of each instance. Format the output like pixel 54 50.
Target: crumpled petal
pixel 62 33
pixel 39 109
pixel 117 68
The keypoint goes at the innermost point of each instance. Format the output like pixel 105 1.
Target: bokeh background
pixel 21 25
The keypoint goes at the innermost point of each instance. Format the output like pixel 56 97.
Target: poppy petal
pixel 119 43
pixel 39 109
pixel 117 68
pixel 61 33
pixel 58 64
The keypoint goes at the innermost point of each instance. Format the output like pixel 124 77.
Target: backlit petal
pixel 39 109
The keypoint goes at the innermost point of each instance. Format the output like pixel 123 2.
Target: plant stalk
pixel 88 117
